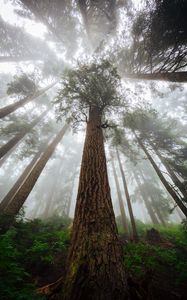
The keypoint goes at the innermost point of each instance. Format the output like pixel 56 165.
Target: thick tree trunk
pixel 146 201
pixel 22 193
pixel 5 111
pixel 18 137
pixel 134 230
pixel 95 269
pixel 162 178
pixel 171 173
pixel 121 204
pixel 168 76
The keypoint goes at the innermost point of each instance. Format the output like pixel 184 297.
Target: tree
pixel 17 45
pixel 20 135
pixel 18 199
pixel 14 106
pixel 94 235
pixel 120 199
pixel 134 230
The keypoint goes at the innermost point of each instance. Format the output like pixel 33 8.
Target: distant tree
pixel 18 199
pixel 17 45
pixel 6 110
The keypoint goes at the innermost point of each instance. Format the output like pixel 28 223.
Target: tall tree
pixel 94 235
pixel 19 136
pixel 14 106
pixel 162 178
pixel 134 230
pixel 18 199
pixel 120 199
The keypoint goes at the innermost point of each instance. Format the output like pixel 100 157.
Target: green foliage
pixel 22 85
pixel 27 249
pixel 142 258
pixel 93 85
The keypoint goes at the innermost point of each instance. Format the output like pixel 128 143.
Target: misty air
pixel 93 149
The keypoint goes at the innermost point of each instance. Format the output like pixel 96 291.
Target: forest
pixel 93 149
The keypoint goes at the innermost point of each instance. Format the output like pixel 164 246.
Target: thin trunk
pixel 95 268
pixel 21 195
pixel 4 59
pixel 49 201
pixel 5 111
pixel 158 212
pixel 18 137
pixel 171 173
pixel 162 178
pixel 71 194
pixel 121 205
pixel 134 230
pixel 146 201
pixel 168 76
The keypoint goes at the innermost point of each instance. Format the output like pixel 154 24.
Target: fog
pixel 42 48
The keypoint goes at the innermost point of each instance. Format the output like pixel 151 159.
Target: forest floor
pixel 33 254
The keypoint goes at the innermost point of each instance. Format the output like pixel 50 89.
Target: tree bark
pixel 146 201
pixel 6 110
pixel 22 193
pixel 121 205
pixel 162 178
pixel 168 76
pixel 95 269
pixel 18 137
pixel 134 230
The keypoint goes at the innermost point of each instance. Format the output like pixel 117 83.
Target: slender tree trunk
pixel 5 111
pixel 146 201
pixel 162 178
pixel 71 194
pixel 95 269
pixel 18 137
pixel 168 76
pixel 134 230
pixel 50 199
pixel 22 193
pixel 158 212
pixel 121 205
pixel 171 173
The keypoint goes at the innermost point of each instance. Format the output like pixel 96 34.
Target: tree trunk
pixel 134 230
pixel 22 193
pixel 5 111
pixel 4 203
pixel 71 193
pixel 121 205
pixel 158 212
pixel 146 201
pixel 18 137
pixel 168 76
pixel 171 173
pixel 162 178
pixel 95 268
